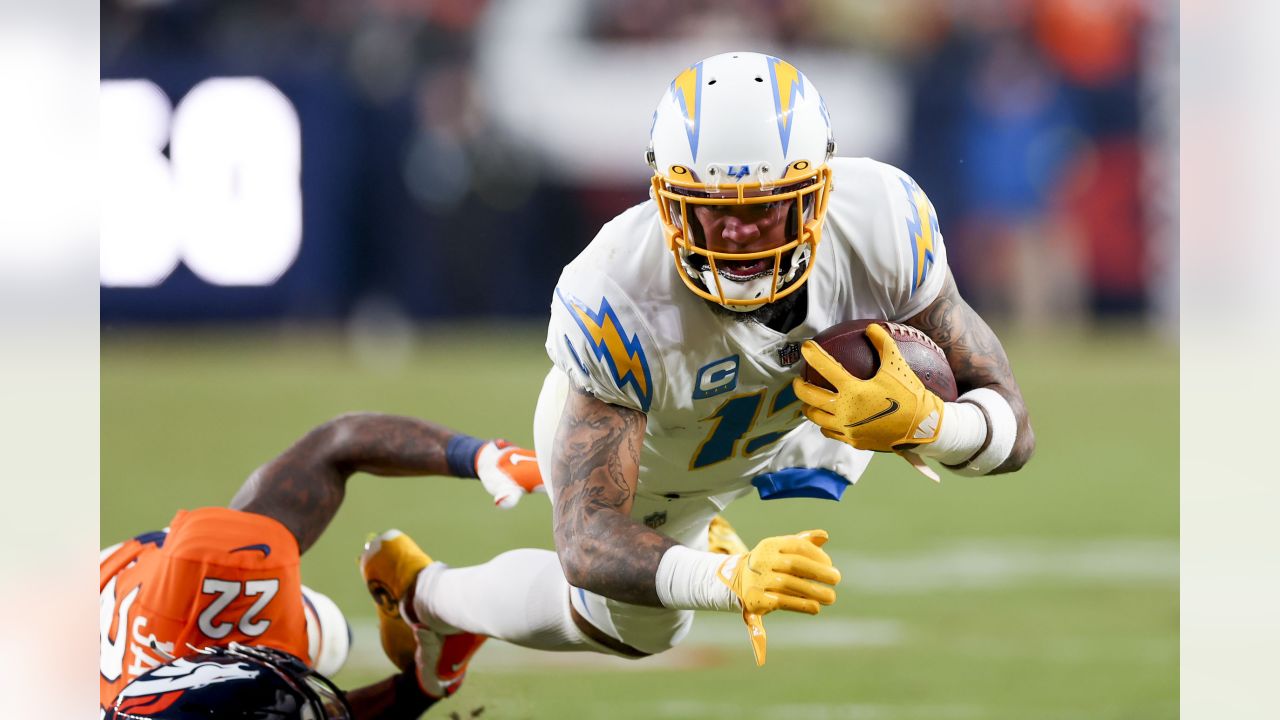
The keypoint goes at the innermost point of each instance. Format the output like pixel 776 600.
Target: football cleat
pixel 442 659
pixel 723 539
pixel 390 565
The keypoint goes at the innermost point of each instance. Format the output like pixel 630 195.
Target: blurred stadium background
pixel 314 207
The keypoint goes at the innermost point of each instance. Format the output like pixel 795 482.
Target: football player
pixel 676 336
pixel 229 578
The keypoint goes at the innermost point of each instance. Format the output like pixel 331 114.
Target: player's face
pixel 744 229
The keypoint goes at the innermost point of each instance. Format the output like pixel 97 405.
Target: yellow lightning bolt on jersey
pixel 923 227
pixel 624 356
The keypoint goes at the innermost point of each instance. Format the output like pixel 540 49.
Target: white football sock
pixel 520 596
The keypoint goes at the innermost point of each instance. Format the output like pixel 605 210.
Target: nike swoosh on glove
pixel 892 408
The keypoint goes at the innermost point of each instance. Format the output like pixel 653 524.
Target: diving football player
pixel 675 338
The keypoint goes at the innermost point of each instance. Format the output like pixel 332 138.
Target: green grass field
pixel 1046 595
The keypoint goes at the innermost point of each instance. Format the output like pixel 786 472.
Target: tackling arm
pixel 594 476
pixel 978 361
pixel 303 487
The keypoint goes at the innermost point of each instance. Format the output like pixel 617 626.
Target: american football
pixel 847 342
pixel 331 282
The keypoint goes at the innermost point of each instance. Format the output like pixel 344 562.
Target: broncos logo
pixel 922 226
pixel 162 688
pixel 787 84
pixel 609 342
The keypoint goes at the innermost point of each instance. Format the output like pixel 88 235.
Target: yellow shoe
pixel 723 539
pixel 390 565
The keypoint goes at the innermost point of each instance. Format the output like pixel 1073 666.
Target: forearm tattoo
pixel 978 360
pixel 305 485
pixel 594 476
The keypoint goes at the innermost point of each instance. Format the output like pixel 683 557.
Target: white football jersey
pixel 717 388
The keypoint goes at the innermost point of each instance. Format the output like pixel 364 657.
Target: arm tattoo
pixel 594 475
pixel 304 486
pixel 977 359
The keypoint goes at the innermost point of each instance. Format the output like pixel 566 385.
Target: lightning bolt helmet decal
pixel 787 84
pixel 687 89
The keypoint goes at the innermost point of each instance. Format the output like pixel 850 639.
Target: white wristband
pixel 962 434
pixel 1003 432
pixel 686 580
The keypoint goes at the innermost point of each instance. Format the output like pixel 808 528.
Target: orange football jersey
pixel 215 576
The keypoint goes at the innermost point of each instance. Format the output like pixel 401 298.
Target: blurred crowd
pixel 1037 127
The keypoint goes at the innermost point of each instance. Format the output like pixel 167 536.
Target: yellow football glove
pixel 778 574
pixel 892 408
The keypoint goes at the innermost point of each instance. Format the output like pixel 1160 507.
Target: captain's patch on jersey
pixel 716 377
pixel 609 341
pixel 922 232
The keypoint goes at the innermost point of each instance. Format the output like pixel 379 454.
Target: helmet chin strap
pixel 754 288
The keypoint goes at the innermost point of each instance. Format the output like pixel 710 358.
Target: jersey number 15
pixel 733 421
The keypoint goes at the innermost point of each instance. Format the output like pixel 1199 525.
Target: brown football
pixel 847 342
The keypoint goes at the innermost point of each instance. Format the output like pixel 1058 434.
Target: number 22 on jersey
pixel 226 591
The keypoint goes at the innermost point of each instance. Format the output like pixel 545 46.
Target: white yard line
pixel 817 711
pixel 994 563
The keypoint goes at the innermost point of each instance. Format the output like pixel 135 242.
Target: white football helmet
pixel 741 128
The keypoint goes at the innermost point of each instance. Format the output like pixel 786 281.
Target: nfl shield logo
pixel 789 354
pixel 656 520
